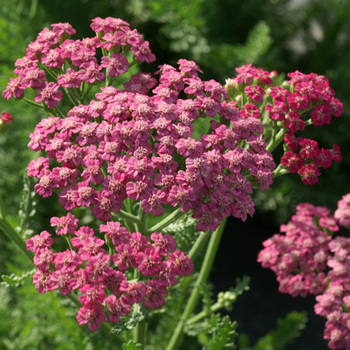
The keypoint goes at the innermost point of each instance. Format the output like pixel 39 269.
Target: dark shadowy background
pixel 304 35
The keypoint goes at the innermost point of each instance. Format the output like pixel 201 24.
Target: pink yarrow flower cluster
pixel 101 276
pixel 307 259
pixel 126 140
pixel 53 51
pixel 342 214
pixel 305 95
pixel 298 254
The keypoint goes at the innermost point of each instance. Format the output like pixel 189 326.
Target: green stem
pixel 51 72
pixel 200 242
pixel 202 278
pixel 280 170
pixel 217 306
pixel 72 98
pixel 86 93
pixel 127 216
pixel 55 112
pixel 14 236
pixel 140 332
pixel 68 238
pixel 276 140
pixel 32 103
pixel 142 217
pixel 179 305
pixel 197 247
pixel 176 214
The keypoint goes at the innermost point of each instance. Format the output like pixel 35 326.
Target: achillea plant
pixel 309 257
pixel 125 147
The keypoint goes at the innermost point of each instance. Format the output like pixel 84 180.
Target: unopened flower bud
pixel 6 118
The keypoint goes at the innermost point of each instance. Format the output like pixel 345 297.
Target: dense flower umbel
pixel 306 259
pixel 303 95
pixel 298 255
pixel 100 276
pixel 137 142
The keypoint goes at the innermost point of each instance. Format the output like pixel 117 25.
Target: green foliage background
pixel 309 35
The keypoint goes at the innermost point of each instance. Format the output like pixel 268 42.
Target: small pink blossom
pixel 49 94
pixel 116 64
pixel 6 117
pixel 65 224
pixel 14 89
pixel 91 314
pixel 39 242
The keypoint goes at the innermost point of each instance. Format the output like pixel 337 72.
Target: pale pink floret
pixel 189 67
pixel 115 232
pixel 143 53
pixel 91 314
pixel 43 282
pixel 154 295
pixel 148 262
pixel 68 261
pixel 43 259
pixel 125 257
pixel 53 58
pixel 133 292
pixel 45 185
pixel 343 211
pixel 61 281
pixel 90 72
pixel 116 308
pixel 37 167
pixel 163 243
pixel 14 89
pixel 70 79
pixel 38 242
pixel 49 94
pixel 116 64
pixel 63 28
pixel 138 241
pixel 65 224
pixel 33 78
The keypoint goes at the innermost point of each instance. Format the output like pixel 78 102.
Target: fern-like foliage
pixel 184 231
pixel 223 335
pixel 286 331
pixel 27 208
pixel 127 323
pixel 15 280
pixel 215 333
pixel 131 345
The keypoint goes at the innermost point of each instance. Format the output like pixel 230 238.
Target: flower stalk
pixel 202 279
